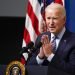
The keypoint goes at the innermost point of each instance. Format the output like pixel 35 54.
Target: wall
pixel 13 7
pixel 12 22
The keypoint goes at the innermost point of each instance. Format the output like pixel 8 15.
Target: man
pixel 63 55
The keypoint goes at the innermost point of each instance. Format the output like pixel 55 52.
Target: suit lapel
pixel 63 42
pixel 61 46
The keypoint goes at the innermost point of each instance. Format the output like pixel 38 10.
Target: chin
pixel 54 32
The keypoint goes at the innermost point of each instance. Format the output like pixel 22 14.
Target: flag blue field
pixel 70 8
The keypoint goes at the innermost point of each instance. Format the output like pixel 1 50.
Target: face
pixel 55 20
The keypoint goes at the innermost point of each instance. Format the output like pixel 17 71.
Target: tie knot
pixel 54 37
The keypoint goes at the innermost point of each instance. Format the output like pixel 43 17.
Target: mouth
pixel 52 27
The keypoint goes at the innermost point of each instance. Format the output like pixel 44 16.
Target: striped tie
pixel 54 43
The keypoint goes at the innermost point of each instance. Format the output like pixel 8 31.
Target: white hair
pixel 56 6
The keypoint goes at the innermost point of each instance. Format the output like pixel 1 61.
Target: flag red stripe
pixel 26 36
pixel 33 18
pixel 59 1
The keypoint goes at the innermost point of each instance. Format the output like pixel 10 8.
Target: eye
pixel 55 18
pixel 48 18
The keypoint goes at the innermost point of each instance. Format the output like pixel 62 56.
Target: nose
pixel 51 21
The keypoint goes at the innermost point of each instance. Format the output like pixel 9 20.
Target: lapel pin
pixel 65 41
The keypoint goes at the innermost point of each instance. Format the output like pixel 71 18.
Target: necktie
pixel 54 43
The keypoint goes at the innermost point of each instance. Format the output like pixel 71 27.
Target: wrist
pixel 41 57
pixel 47 55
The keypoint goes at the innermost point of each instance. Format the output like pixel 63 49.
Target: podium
pixel 2 69
pixel 36 70
pixel 43 70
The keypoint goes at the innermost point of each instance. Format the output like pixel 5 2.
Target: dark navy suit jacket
pixel 64 58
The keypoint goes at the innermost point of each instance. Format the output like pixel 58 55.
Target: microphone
pixel 25 49
pixel 24 53
pixel 36 47
pixel 28 51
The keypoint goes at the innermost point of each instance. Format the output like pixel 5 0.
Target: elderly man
pixel 58 44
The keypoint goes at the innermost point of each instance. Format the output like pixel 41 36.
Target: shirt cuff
pixel 50 57
pixel 39 61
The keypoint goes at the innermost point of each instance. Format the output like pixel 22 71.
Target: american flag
pixel 33 18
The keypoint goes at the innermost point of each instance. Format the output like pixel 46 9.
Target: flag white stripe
pixel 24 43
pixel 36 9
pixel 63 2
pixel 30 28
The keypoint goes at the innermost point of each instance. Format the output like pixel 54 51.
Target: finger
pixel 42 39
pixel 46 39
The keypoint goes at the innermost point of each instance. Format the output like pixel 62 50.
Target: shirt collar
pixel 60 34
